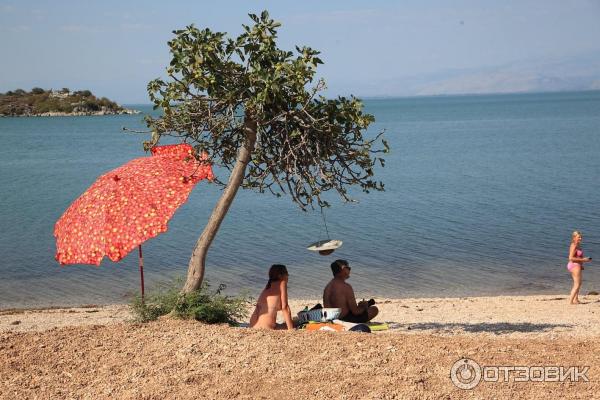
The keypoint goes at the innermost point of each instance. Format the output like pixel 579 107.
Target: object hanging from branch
pixel 250 107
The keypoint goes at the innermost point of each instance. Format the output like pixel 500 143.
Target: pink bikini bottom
pixel 572 265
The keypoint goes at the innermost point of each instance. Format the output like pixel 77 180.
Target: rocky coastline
pixel 75 113
pixel 57 103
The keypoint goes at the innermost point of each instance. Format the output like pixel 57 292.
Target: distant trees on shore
pixel 39 101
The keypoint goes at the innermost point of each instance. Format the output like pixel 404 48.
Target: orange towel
pixel 324 326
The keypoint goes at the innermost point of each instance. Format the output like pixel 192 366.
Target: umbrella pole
pixel 141 269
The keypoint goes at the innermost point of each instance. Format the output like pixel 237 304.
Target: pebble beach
pixel 98 352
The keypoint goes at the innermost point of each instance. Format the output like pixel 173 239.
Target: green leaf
pixel 306 144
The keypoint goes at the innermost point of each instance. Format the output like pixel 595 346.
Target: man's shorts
pixel 358 319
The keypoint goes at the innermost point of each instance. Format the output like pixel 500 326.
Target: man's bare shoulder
pixel 337 283
pixel 342 287
pixel 338 286
pixel 348 288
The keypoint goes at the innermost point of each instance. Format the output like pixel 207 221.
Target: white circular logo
pixel 465 373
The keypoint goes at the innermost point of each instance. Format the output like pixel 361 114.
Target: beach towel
pixel 354 327
pixel 378 326
pixel 324 326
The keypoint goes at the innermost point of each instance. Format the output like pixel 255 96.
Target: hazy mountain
pixel 576 73
pixel 581 73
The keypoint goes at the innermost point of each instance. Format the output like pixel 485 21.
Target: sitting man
pixel 339 294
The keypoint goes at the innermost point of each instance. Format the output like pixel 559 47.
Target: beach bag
pixel 319 315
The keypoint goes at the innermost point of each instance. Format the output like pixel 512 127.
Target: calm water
pixel 482 193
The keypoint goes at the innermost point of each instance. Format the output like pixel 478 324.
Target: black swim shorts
pixel 360 318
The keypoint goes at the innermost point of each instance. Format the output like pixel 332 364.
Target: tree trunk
pixel 197 261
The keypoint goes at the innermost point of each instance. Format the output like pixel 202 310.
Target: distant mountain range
pixel 544 75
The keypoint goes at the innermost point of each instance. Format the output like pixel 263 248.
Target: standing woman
pixel 273 298
pixel 575 265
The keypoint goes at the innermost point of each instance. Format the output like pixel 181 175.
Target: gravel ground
pixel 91 353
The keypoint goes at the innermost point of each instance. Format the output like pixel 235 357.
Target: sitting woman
pixel 273 298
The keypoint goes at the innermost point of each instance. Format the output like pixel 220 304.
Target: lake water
pixel 482 194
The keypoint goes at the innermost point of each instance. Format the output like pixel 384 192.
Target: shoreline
pixel 523 316
pixel 74 114
pixel 53 304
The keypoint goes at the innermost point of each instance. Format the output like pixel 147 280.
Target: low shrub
pixel 212 307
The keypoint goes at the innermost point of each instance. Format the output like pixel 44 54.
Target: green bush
pixel 203 305
pixel 91 105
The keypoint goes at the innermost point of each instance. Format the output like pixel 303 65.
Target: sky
pixel 370 48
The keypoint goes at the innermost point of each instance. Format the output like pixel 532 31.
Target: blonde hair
pixel 574 234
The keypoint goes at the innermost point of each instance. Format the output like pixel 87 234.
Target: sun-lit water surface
pixel 482 193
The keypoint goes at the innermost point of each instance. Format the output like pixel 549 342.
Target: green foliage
pixel 306 144
pixel 203 305
pixel 160 301
pixel 39 101
pixel 91 105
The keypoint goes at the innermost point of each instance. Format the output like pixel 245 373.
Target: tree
pixel 247 106
pixel 37 90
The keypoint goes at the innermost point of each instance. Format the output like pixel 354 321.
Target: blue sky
pixel 370 48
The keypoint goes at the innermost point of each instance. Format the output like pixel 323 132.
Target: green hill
pixel 40 102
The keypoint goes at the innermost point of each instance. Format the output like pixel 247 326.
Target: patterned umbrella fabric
pixel 128 206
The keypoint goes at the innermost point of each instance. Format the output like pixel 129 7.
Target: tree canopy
pixel 220 88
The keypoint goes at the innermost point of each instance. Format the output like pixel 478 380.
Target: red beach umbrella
pixel 127 206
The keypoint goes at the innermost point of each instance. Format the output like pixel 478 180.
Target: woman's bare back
pixel 267 306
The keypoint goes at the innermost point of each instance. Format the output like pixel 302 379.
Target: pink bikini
pixel 571 264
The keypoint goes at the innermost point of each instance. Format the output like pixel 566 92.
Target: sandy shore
pixel 546 317
pixel 96 352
